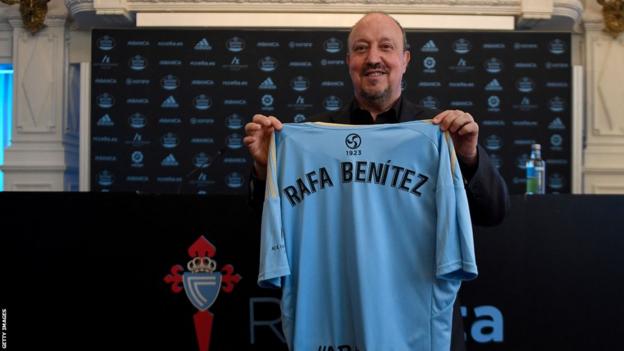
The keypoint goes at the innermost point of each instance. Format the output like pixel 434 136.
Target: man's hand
pixel 257 138
pixel 464 131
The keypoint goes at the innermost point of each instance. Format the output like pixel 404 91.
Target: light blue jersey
pixel 367 231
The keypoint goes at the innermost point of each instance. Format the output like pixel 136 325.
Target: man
pixel 377 59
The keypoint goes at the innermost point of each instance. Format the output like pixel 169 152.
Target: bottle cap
pixel 536 147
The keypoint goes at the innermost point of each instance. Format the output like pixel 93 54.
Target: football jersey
pixel 367 231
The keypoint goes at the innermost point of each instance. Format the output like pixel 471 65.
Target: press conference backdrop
pixel 169 106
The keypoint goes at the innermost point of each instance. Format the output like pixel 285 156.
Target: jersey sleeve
pixel 455 257
pixel 273 259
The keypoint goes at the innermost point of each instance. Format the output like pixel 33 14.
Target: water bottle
pixel 535 172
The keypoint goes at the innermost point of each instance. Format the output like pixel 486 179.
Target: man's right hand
pixel 257 138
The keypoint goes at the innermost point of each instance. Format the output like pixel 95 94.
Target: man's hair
pixel 387 15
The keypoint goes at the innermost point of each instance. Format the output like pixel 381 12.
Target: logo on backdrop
pixel 557 47
pixel 106 43
pixel 235 44
pixel 493 65
pixel 332 45
pixel 462 46
pixel 202 284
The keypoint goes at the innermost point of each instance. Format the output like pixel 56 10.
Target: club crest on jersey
pixel 202 284
pixel 353 141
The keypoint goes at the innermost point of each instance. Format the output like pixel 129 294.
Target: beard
pixel 376 97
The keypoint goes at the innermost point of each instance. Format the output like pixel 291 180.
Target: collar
pixel 361 116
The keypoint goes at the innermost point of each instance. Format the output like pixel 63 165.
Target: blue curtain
pixel 6 105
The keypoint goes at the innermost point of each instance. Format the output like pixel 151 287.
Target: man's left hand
pixel 464 131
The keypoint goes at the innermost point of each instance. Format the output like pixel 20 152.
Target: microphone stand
pixel 202 166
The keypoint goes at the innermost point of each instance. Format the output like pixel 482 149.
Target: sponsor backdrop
pixel 169 106
pixel 124 274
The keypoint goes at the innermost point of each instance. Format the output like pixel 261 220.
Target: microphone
pixel 202 166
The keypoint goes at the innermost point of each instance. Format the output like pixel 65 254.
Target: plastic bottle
pixel 535 172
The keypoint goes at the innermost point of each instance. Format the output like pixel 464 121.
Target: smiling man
pixel 377 58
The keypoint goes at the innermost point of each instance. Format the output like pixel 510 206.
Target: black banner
pixel 169 106
pixel 550 277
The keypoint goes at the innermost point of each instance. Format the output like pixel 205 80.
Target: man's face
pixel 376 59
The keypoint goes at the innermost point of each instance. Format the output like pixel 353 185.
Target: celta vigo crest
pixel 202 283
